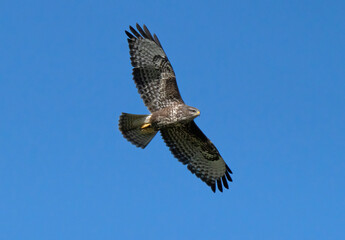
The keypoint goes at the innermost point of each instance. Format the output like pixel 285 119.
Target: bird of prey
pixel 156 83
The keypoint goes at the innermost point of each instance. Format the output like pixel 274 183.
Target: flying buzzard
pixel 156 82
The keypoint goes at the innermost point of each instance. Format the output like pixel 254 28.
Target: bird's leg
pixel 146 125
pixel 147 128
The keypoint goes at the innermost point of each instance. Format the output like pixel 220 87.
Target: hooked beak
pixel 198 113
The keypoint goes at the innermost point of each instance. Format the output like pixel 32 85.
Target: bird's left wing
pixel 190 146
pixel 152 71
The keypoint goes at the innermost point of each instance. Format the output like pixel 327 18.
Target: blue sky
pixel 268 77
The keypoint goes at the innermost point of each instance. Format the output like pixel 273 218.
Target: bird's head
pixel 192 112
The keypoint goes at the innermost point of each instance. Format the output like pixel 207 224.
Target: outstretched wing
pixel 152 71
pixel 190 146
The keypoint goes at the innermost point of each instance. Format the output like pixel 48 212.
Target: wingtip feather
pixel 148 33
pixel 129 34
pixel 219 184
pixel 225 183
pixel 142 32
pixel 213 187
pixel 228 176
pixel 227 168
pixel 134 32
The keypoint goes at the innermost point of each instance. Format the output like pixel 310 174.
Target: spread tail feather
pixel 134 128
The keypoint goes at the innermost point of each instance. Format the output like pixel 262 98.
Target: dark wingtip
pixel 213 187
pixel 228 176
pixel 219 184
pixel 142 32
pixel 134 32
pixel 148 34
pixel 227 168
pixel 129 34
pixel 157 40
pixel 225 183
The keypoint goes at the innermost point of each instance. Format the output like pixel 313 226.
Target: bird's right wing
pixel 152 71
pixel 190 146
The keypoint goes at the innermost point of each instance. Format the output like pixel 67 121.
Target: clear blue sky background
pixel 268 77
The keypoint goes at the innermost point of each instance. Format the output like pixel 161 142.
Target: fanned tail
pixel 134 128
